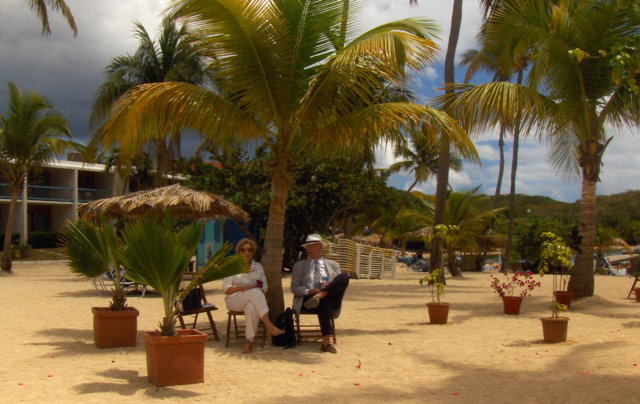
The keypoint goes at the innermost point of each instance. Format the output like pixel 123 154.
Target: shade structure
pixel 184 203
pixel 425 231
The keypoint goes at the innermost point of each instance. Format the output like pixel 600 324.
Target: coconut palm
pixel 157 256
pixel 421 159
pixel 288 78
pixel 444 154
pixel 32 133
pixel 92 251
pixel 40 7
pixel 577 96
pixel 171 56
pixel 472 228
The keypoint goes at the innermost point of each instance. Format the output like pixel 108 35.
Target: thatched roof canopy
pixel 184 203
pixel 425 231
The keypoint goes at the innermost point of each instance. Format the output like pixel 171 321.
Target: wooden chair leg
pixel 226 345
pixel 214 330
pixel 632 287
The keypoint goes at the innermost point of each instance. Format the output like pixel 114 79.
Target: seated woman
pixel 245 292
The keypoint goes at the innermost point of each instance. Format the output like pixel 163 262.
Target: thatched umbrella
pixel 184 203
pixel 372 240
pixel 425 231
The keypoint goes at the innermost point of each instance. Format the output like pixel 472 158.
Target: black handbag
pixel 285 322
pixel 193 300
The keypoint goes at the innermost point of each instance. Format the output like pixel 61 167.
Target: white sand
pixel 481 356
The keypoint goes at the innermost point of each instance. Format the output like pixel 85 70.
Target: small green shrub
pixel 44 239
pixel 15 239
pixel 20 251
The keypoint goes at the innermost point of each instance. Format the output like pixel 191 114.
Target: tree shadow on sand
pixel 73 342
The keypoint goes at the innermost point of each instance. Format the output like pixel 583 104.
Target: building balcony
pixel 88 194
pixel 56 194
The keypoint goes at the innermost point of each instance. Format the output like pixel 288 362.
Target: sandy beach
pixel 387 350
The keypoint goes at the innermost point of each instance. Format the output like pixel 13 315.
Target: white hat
pixel 312 239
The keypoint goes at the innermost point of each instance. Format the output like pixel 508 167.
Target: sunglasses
pixel 244 250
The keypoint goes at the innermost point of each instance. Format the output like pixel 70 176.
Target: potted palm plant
pixel 554 328
pixel 556 255
pixel 92 251
pixel 157 255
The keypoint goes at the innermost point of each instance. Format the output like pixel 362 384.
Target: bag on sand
pixel 285 322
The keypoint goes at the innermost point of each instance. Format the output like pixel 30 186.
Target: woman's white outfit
pixel 252 301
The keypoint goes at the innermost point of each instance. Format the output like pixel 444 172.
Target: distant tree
pixel 31 134
pixel 606 241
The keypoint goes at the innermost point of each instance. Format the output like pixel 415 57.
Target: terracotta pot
pixel 637 292
pixel 563 297
pixel 438 312
pixel 554 329
pixel 175 360
pixel 512 304
pixel 115 329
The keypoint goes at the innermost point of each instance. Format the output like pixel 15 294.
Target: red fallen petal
pixel 547 350
pixel 53 356
pixel 635 364
pixel 599 367
pixel 433 393
pixel 313 371
pixel 356 384
pixel 455 394
pixel 390 343
pixel 338 367
pixel 510 377
pixel 587 373
pixel 20 384
pixel 502 350
pixel 537 353
pixel 618 329
pixel 50 376
pixel 300 375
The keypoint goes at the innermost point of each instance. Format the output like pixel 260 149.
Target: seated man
pixel 318 284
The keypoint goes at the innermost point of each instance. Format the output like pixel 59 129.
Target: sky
pixel 68 70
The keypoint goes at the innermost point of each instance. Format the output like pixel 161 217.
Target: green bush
pixel 44 239
pixel 20 251
pixel 15 239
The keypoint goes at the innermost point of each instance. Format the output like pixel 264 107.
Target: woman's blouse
pixel 246 279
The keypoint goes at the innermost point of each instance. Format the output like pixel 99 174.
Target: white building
pixel 52 195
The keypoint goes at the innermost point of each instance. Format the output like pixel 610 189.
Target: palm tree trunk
pixel 582 278
pixel 512 193
pixel 273 243
pixel 496 197
pixel 393 220
pixel 444 159
pixel 162 157
pixel 6 264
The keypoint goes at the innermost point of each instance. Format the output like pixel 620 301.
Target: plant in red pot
pixel 554 328
pixel 514 289
pixel 556 257
pixel 92 251
pixel 157 255
pixel 438 311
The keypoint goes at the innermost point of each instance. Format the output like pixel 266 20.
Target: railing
pixel 58 194
pixel 45 193
pixel 88 194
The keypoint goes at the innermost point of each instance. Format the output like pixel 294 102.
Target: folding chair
pixel 207 308
pixel 311 332
pixel 237 334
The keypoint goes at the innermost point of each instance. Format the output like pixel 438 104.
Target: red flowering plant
pixel 520 282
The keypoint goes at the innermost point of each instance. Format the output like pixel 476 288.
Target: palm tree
pixel 171 56
pixel 606 240
pixel 421 159
pixel 31 134
pixel 288 78
pixel 40 7
pixel 444 154
pixel 577 96
pixel 471 228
